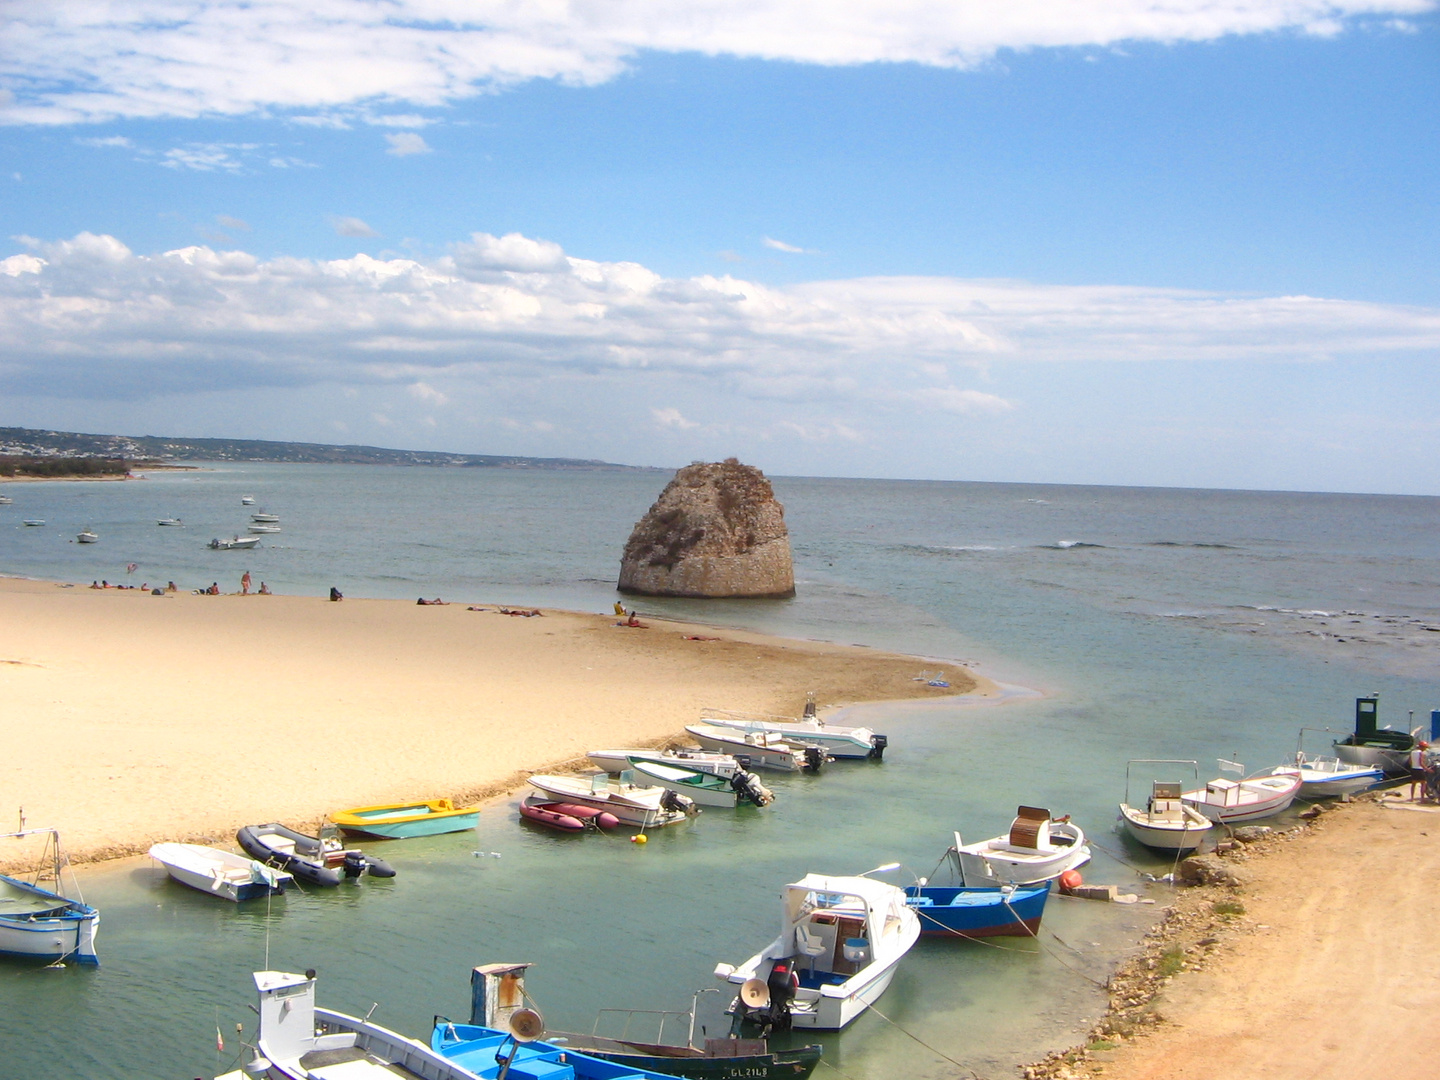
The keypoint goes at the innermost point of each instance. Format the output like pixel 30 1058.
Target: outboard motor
pixel 783 982
pixel 747 786
pixel 743 760
pixel 814 758
pixel 877 746
pixel 673 800
pixel 355 864
pixel 809 713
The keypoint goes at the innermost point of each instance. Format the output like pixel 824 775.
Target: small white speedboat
pixel 220 873
pixel 645 807
pixel 1037 848
pixel 840 941
pixel 169 521
pixel 762 749
pixel 33 522
pixel 1233 801
pixel 88 536
pixel 264 518
pixel 264 529
pixel 838 742
pixel 706 789
pixel 1327 778
pixel 235 543
pixel 247 500
pixel 1165 822
pixel 617 761
pixel 5 500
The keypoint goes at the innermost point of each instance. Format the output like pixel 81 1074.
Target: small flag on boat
pixel 219 1041
pixel 1231 766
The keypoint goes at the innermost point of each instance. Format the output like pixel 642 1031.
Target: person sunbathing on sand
pixel 429 603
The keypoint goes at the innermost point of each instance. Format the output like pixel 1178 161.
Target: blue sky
pixel 1111 243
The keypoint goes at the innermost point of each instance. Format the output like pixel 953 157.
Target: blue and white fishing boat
pixel 978 911
pixel 38 924
pixel 298 1040
pixel 1329 778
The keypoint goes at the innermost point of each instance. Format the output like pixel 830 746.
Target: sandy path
pixel 1335 980
pixel 129 718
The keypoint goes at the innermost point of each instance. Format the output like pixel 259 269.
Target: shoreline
pixel 1294 969
pixel 133 718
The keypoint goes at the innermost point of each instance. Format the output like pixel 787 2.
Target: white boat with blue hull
pixel 841 939
pixel 37 924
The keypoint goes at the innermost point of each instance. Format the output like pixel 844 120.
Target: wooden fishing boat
pixel 1037 848
pixel 642 807
pixel 1231 802
pixel 704 788
pixel 637 1038
pixel 398 821
pixel 41 925
pixel 1165 822
pixel 979 911
pixel 220 873
pixel 841 939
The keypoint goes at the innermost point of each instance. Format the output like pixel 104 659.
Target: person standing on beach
pixel 245 583
pixel 1417 770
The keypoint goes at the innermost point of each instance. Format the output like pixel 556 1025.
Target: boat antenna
pixel 883 868
pixel 269 899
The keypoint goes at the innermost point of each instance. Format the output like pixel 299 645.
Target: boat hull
pixel 720 795
pixel 54 929
pixel 1389 760
pixel 848 743
pixel 1186 836
pixel 1330 784
pixel 781 758
pixel 208 871
pixel 408 820
pixel 639 811
pixel 978 912
pixel 1244 800
pixel 996 862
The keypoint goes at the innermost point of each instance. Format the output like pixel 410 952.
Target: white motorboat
pixel 1233 801
pixel 264 529
pixel 234 543
pixel 220 873
pixel 838 742
pixel 617 761
pixel 247 500
pixel 88 536
pixel 264 518
pixel 706 789
pixel 761 749
pixel 1037 848
pixel 840 941
pixel 5 500
pixel 299 1041
pixel 1326 778
pixel 169 521
pixel 34 523
pixel 1165 822
pixel 644 807
pixel 38 924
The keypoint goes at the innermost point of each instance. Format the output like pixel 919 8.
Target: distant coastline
pixel 155 451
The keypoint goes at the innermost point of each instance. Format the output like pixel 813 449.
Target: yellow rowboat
pixel 402 820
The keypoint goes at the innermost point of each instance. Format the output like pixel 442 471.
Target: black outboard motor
pixel 782 982
pixel 748 786
pixel 355 864
pixel 877 746
pixel 673 800
pixel 814 758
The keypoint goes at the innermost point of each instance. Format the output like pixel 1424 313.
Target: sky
pixel 1149 242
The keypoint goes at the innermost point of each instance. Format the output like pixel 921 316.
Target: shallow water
pixel 1157 624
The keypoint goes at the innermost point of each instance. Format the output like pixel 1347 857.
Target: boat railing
pixel 660 1018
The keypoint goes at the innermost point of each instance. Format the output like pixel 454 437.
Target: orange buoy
pixel 1070 880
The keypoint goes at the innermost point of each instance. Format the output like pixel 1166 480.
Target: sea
pixel 1124 624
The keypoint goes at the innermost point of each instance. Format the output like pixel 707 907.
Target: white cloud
pixel 89 317
pixel 400 120
pixel 67 62
pixel 672 418
pixel 780 245
pixel 351 226
pixel 207 157
pixel 405 143
pixel 107 141
pixel 228 222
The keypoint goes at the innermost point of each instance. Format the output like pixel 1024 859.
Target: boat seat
pixel 281 844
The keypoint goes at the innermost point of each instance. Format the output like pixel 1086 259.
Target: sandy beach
pixel 1318 966
pixel 131 718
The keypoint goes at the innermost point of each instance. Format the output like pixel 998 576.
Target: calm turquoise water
pixel 1156 623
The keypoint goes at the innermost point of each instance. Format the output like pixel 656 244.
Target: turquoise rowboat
pixel 400 821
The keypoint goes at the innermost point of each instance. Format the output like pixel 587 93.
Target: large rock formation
pixel 715 531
